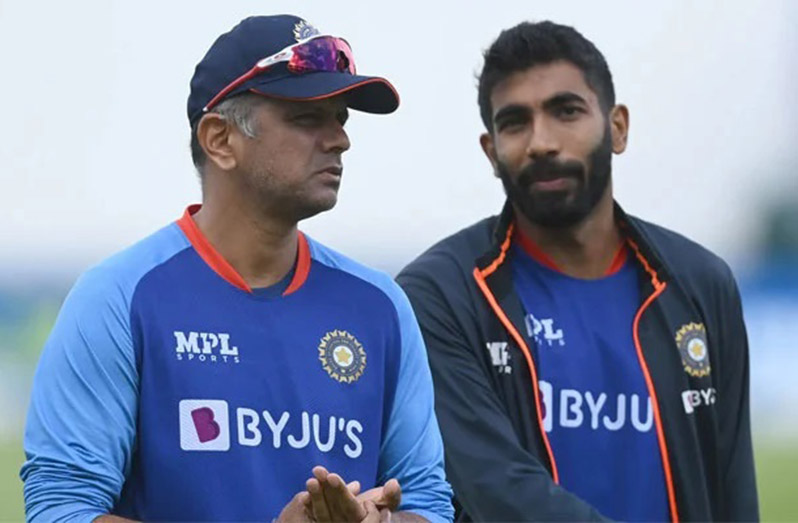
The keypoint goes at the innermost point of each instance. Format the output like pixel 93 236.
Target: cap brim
pixel 370 94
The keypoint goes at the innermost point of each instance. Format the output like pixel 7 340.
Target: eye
pixel 308 119
pixel 511 124
pixel 568 112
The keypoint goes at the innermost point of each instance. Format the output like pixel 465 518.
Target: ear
pixel 489 148
pixel 215 137
pixel 619 126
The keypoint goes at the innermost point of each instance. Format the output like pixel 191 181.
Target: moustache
pixel 548 169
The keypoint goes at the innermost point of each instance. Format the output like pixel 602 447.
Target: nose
pixel 543 141
pixel 336 140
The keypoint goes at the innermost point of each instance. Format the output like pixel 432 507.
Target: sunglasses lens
pixel 322 54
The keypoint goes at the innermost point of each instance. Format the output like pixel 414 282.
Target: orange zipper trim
pixel 479 276
pixel 659 288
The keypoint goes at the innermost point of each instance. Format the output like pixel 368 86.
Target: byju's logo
pixel 543 331
pixel 692 399
pixel 211 347
pixel 572 409
pixel 338 431
pixel 204 425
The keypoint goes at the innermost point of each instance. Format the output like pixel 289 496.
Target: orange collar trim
pixel 221 267
pixel 537 254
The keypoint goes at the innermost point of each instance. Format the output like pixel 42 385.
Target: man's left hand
pixel 332 500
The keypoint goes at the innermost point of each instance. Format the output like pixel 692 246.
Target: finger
pixel 391 495
pixel 303 498
pixel 321 512
pixel 373 494
pixel 333 497
pixel 320 473
pixel 372 513
pixel 385 515
pixel 294 510
pixel 343 504
pixel 353 487
pixel 303 501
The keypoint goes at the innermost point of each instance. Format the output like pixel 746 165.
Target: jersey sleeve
pixel 412 450
pixel 81 421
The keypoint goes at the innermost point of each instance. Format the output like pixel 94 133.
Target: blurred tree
pixel 781 230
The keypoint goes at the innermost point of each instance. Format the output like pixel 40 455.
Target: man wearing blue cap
pixel 203 372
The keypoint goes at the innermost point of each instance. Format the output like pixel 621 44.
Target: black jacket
pixel 497 456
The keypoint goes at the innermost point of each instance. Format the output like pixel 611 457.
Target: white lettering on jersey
pixel 248 433
pixel 595 405
pixel 570 408
pixel 276 428
pixel 212 347
pixel 635 415
pixel 301 443
pixel 621 416
pixel 543 330
pixel 357 448
pixel 324 447
pixel 576 408
pixel 692 399
pixel 500 356
pixel 210 421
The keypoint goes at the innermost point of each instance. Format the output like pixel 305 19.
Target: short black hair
pixel 529 44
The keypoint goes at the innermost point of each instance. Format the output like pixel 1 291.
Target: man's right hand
pixel 388 496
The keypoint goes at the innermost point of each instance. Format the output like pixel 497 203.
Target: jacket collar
pixel 634 229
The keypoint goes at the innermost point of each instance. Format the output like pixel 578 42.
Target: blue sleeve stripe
pixel 81 423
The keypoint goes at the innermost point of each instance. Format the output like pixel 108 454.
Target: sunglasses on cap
pixel 316 54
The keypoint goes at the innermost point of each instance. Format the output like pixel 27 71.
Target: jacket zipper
pixel 659 288
pixel 479 276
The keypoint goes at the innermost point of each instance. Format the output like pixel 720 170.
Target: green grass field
pixel 11 508
pixel 777 467
pixel 777 464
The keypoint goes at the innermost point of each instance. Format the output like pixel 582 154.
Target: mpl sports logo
pixel 205 426
pixel 544 331
pixel 205 347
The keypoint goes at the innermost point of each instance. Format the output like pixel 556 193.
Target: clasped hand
pixel 329 499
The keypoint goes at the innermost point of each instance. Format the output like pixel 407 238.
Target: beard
pixel 560 209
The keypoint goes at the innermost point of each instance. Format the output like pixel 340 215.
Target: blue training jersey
pixel 597 412
pixel 169 390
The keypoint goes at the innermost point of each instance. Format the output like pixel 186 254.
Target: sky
pixel 94 143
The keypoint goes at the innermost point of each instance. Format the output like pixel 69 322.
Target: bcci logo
pixel 692 343
pixel 342 356
pixel 304 30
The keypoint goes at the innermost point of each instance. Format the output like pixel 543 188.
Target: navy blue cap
pixel 254 38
